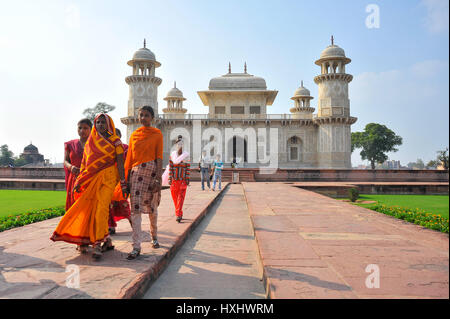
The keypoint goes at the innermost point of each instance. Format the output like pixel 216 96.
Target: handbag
pixel 212 173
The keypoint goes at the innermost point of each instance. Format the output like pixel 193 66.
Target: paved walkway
pixel 309 246
pixel 313 246
pixel 219 260
pixel 32 266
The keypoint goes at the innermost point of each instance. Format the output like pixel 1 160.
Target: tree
pixel 6 156
pixel 432 164
pixel 420 164
pixel 101 107
pixel 443 157
pixel 375 141
pixel 19 161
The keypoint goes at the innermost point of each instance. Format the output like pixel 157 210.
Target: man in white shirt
pixel 205 164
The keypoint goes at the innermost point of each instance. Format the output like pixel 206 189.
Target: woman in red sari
pixel 73 154
pixel 119 208
pixel 86 222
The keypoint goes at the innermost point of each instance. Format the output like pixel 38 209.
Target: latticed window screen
pixel 237 110
pixel 255 110
pixel 294 153
pixel 219 110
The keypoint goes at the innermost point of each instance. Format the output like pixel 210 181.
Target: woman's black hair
pixel 118 132
pixel 179 138
pixel 148 109
pixel 85 121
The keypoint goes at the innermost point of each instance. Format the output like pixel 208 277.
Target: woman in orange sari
pixel 143 167
pixel 86 222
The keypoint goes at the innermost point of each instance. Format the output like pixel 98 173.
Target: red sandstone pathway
pixel 313 246
pixel 219 260
pixel 32 266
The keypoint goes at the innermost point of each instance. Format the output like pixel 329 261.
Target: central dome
pixel 237 81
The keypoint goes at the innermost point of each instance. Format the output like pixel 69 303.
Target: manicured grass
pixel 14 202
pixel 435 204
pixel 430 211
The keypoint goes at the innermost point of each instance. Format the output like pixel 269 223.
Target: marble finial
pixel 332 40
pixel 145 43
pixel 245 67
pixel 229 67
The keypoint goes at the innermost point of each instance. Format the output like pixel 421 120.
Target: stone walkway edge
pixel 139 286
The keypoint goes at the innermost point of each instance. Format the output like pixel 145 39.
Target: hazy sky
pixel 59 57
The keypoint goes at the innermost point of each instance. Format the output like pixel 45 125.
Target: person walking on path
pixel 176 159
pixel 179 178
pixel 218 166
pixel 73 155
pixel 143 167
pixel 119 207
pixel 205 166
pixel 86 222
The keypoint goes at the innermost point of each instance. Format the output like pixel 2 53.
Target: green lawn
pixel 14 202
pixel 436 204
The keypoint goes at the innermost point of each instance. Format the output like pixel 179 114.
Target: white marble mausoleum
pixel 238 125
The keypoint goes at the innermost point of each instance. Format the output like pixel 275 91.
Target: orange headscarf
pixel 146 144
pixel 99 152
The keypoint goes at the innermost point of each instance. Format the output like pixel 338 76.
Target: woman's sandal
pixel 83 249
pixel 97 254
pixel 134 254
pixel 107 245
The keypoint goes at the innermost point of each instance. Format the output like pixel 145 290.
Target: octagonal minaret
pixel 333 114
pixel 143 86
pixel 175 100
pixel 302 109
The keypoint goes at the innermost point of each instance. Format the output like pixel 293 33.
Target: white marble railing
pixel 226 116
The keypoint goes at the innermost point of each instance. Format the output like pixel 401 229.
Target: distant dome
pixel 332 51
pixel 302 91
pixel 144 55
pixel 31 149
pixel 237 81
pixel 174 93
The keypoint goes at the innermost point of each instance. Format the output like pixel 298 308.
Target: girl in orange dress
pixel 86 222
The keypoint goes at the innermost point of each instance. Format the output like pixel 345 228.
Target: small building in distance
pixel 392 164
pixel 31 156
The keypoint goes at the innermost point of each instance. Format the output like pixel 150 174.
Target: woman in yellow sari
pixel 86 222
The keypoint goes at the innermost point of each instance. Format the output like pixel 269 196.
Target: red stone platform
pixel 312 246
